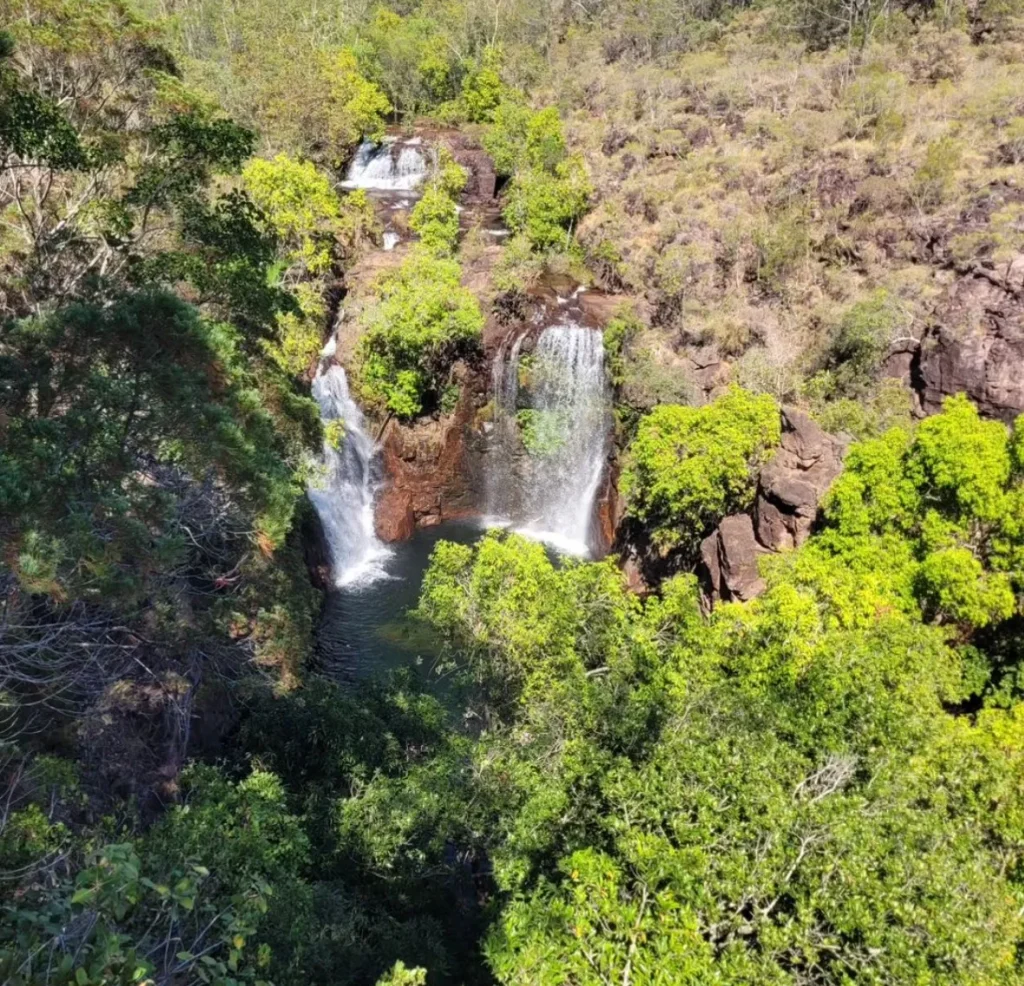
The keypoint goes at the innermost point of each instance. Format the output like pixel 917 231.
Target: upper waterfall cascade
pixel 388 167
pixel 559 396
pixel 343 497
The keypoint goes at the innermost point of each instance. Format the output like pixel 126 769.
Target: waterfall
pixel 344 494
pixel 388 167
pixel 551 428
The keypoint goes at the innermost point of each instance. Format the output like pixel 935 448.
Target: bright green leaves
pixel 599 925
pixel 962 463
pixel 689 467
pixel 401 975
pixel 954 587
pixel 549 192
pixel 521 622
pixel 873 492
pixel 482 88
pixel 545 206
pixel 776 788
pixel 302 212
pixel 952 493
pixel 422 322
pixel 520 138
pixel 356 108
pixel 435 218
pixel 300 206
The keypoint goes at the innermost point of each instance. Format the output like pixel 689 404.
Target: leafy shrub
pixel 356 108
pixel 935 178
pixel 620 331
pixel 953 490
pixel 421 323
pixel 436 220
pixel 299 205
pixel 435 217
pixel 890 406
pixel 875 100
pixel 521 138
pixel 517 269
pixel 860 341
pixel 543 432
pixel 688 467
pixel 482 89
pixel 544 207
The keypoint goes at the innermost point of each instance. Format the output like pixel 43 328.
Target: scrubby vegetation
pixel 821 786
pixel 421 323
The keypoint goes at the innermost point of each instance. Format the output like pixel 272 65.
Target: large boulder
pixel 976 345
pixel 431 469
pixel 729 561
pixel 792 484
pixel 789 489
pixel 426 477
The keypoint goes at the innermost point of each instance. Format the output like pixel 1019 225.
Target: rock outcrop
pixel 316 554
pixel 729 560
pixel 976 345
pixel 481 180
pixel 431 475
pixel 791 485
pixel 789 489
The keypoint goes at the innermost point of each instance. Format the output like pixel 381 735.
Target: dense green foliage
pixel 690 466
pixel 549 191
pixel 435 218
pixel 420 324
pixel 822 786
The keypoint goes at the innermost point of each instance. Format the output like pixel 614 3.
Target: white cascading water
pixel 344 494
pixel 387 167
pixel 549 494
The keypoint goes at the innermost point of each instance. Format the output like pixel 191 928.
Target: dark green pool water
pixel 365 629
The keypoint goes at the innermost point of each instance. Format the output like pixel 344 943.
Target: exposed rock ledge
pixel 789 489
pixel 977 346
pixel 432 475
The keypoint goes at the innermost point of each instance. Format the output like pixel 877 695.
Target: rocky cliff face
pixel 976 345
pixel 789 489
pixel 432 466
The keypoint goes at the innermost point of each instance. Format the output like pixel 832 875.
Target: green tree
pixel 688 467
pixel 435 218
pixel 546 207
pixel 422 322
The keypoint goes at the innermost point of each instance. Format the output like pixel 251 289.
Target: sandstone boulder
pixel 431 472
pixel 789 489
pixel 791 485
pixel 729 560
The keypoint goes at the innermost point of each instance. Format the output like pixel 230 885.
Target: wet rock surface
pixel 432 469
